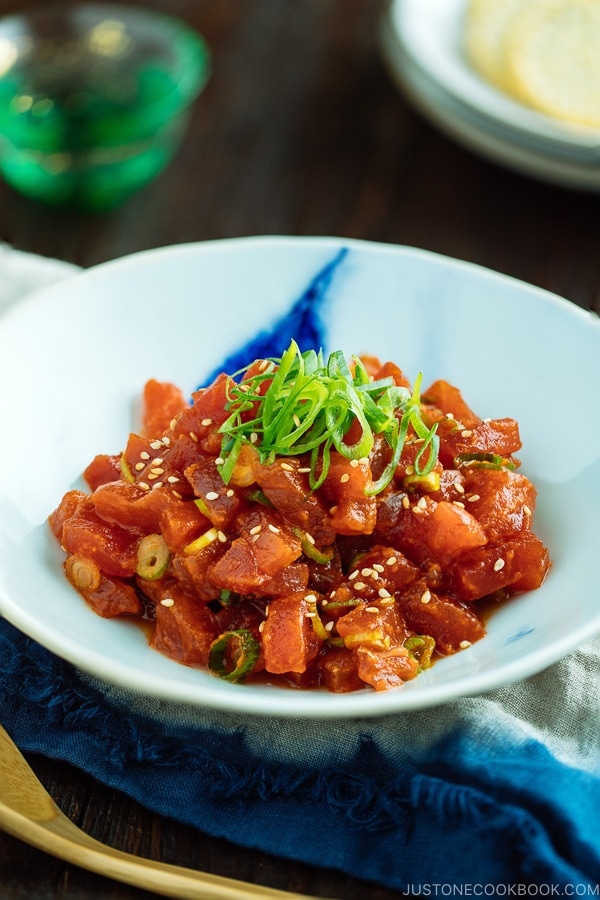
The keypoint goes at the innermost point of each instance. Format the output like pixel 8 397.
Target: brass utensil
pixel 28 812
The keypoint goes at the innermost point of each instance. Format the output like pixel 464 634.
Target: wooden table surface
pixel 300 131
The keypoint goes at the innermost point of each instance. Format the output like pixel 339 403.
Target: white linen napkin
pixel 22 273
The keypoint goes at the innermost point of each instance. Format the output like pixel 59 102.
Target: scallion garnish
pixel 233 654
pixel 301 404
pixel 485 461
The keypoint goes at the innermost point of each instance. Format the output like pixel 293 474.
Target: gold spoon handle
pixel 28 812
pixel 160 878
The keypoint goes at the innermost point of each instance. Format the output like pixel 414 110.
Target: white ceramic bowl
pixel 75 357
pixel 422 44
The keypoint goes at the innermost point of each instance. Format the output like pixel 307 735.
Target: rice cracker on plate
pixel 486 25
pixel 552 59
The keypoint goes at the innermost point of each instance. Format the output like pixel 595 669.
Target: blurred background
pixel 301 130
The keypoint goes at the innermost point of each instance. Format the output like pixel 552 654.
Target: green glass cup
pixel 94 100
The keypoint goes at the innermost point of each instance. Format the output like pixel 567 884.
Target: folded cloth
pixel 21 273
pixel 498 793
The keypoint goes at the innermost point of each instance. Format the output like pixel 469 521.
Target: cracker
pixel 486 25
pixel 553 59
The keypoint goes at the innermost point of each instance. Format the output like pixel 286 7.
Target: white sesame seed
pixel 464 644
pixel 422 504
pixel 157 471
pixel 310 598
pixel 304 469
pixel 333 510
pixel 359 585
pixel 156 486
pixel 458 503
pixel 253 437
pixel 383 592
pixel 391 561
pixel 353 575
pixel 286 467
pixel 310 614
pixel 255 537
pixel 152 476
pixel 166 441
pixel 261 627
pixel 473 498
pixel 219 461
pixel 466 433
pixel 263 365
pixel 364 460
pixel 487 421
pixel 458 487
pixel 172 424
pixel 345 477
pixel 366 572
pixel 296 419
pixel 449 415
pixel 144 455
pixel 310 538
pixel 499 564
pixel 206 422
pixel 410 470
pixel 371 609
pixel 230 492
pixel 374 574
pixel 256 529
pixel 418 511
pixel 156 445
pixel 212 495
pixel 526 510
pixel 168 601
pixel 274 528
pixel 425 596
pixel 378 567
pixel 157 461
pixel 222 537
pixel 172 479
pixel 405 502
pixel 139 466
pixel 194 436
pixel 354 463
pixel 177 495
pixel 329 626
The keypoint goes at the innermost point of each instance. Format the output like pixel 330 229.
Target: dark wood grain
pixel 300 131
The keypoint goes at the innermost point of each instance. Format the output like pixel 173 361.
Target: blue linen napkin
pixel 498 793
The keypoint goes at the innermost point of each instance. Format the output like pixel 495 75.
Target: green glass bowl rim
pixel 192 66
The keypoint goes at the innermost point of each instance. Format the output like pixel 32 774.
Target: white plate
pixel 422 45
pixel 75 357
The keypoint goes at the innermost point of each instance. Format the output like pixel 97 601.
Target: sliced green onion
pixel 258 496
pixel 421 647
pixel 428 483
pixel 320 555
pixel 309 406
pixel 126 473
pixel 84 574
pixel 239 647
pixel 152 557
pixel 342 604
pixel 485 461
pixel 201 542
